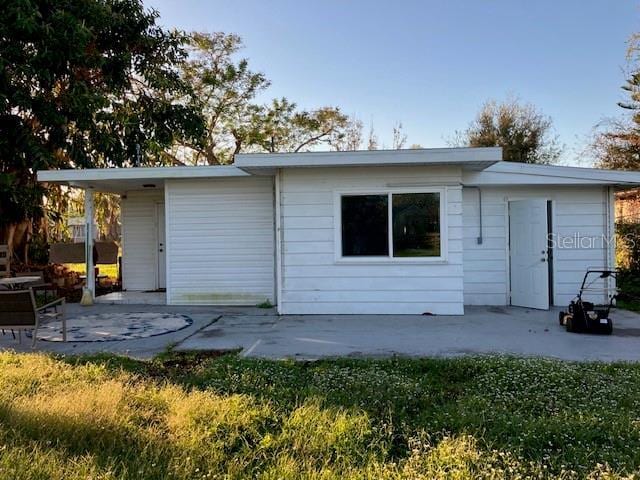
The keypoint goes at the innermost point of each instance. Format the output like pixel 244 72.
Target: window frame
pixel 389 258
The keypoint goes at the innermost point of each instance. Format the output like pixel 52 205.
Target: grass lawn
pixel 227 417
pixel 110 270
pixel 632 305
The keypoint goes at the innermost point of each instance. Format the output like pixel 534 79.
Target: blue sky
pixel 431 64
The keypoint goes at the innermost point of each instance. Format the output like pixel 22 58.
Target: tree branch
pixel 312 140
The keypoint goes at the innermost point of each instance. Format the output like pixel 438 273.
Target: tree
pixel 372 139
pixel 524 134
pixel 618 146
pixel 399 137
pixel 84 83
pixel 351 138
pixel 281 127
pixel 226 89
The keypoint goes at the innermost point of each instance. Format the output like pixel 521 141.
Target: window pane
pixel 416 225
pixel 365 227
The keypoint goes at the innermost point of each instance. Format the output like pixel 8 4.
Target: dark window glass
pixel 416 225
pixel 365 227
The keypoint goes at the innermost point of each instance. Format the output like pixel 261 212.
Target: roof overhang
pixel 480 166
pixel 467 158
pixel 512 173
pixel 119 180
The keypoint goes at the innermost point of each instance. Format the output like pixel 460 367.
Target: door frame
pixel 551 222
pixel 160 206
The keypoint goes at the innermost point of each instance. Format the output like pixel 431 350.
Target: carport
pixel 190 235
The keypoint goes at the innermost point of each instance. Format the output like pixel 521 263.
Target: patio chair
pixel 38 285
pixel 18 311
pixel 5 264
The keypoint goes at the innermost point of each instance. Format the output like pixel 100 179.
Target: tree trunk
pixel 21 239
pixel 11 231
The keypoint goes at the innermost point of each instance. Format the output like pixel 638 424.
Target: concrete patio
pixel 141 348
pixel 133 298
pixel 261 333
pixel 482 330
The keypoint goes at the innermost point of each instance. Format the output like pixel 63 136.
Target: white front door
pixel 528 250
pixel 160 236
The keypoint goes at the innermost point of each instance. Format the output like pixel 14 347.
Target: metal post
pixel 88 243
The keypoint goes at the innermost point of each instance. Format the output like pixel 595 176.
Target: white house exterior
pixel 402 232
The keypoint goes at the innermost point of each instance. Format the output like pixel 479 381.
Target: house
pixel 365 232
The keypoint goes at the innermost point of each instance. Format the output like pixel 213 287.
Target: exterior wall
pixel 314 281
pixel 576 211
pixel 139 245
pixel 220 241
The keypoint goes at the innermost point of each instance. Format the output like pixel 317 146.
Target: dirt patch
pixel 626 332
pixel 189 360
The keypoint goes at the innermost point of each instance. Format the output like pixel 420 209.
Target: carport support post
pixel 88 244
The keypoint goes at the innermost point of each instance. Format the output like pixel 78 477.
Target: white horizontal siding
pixel 220 241
pixel 582 215
pixel 139 246
pixel 314 283
pixel 575 211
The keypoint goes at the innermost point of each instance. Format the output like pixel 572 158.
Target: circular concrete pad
pixel 111 327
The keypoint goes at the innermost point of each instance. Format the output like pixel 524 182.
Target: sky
pixel 431 64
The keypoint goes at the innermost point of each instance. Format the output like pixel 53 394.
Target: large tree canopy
pixel 226 89
pixel 84 83
pixel 524 133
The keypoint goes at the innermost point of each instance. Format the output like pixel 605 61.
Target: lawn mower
pixel 586 317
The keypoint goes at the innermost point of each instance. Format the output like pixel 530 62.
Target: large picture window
pixel 391 225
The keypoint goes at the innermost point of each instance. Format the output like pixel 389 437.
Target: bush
pixel 628 245
pixel 39 249
pixel 628 261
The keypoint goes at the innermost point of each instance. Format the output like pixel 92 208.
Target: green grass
pixel 632 305
pixel 110 270
pixel 188 416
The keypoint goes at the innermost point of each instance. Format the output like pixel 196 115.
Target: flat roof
pixel 481 166
pixel 118 180
pixel 468 158
pixel 513 173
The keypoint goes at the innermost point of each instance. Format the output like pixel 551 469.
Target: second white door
pixel 160 245
pixel 528 248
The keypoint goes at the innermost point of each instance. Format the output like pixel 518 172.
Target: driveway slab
pixel 482 330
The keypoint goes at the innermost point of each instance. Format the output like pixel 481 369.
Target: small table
pixel 14 283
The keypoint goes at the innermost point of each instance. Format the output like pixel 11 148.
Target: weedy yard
pixel 225 417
